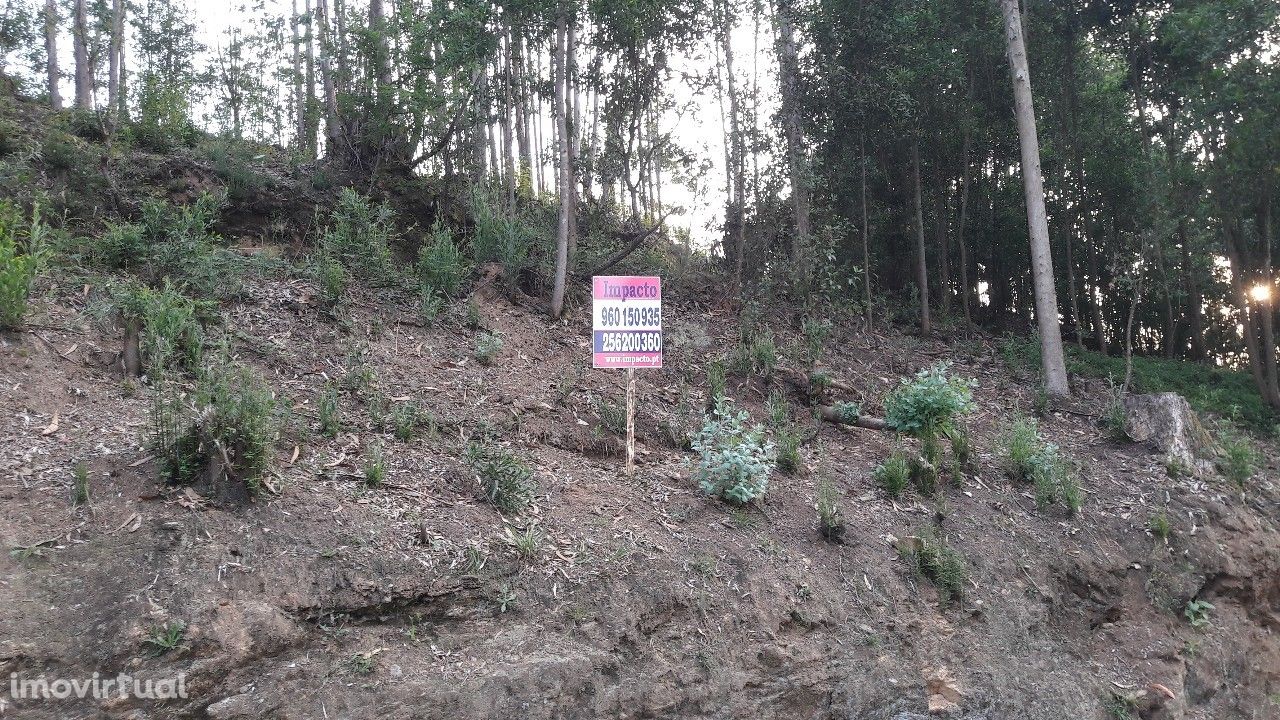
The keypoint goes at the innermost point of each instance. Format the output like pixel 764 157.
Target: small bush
pixel 488 345
pixel 120 247
pixel 734 460
pixel 503 238
pixel 755 354
pixel 405 421
pixel 930 556
pixel 440 263
pixel 830 519
pixel 777 409
pixel 717 383
pixel 375 467
pixel 1113 418
pixel 928 404
pixel 924 475
pixel 612 415
pixel 816 334
pixel 359 236
pixel 332 279
pixel 1197 613
pixel 238 416
pixel 505 481
pixel 80 484
pixel 789 450
pixel 62 151
pixel 430 304
pixel 169 322
pixel 1160 526
pixel 330 412
pixel 1028 458
pixel 1239 459
pixel 894 474
pixel 847 413
pixel 22 249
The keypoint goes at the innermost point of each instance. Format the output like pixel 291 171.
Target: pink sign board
pixel 626 326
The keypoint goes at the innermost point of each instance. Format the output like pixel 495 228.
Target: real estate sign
pixel 626 321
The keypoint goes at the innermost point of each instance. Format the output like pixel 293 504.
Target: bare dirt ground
pixel 330 599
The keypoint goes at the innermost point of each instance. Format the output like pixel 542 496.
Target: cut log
pixel 832 415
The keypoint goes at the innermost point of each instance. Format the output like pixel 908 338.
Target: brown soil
pixel 328 599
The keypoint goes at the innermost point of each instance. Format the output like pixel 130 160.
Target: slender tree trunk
pixel 965 180
pixel 80 43
pixel 516 62
pixel 381 56
pixel 573 115
pixel 789 89
pixel 1248 314
pixel 1055 368
pixel 508 109
pixel 560 83
pixel 331 127
pixel 922 262
pixel 1266 307
pixel 866 228
pixel 1096 300
pixel 299 93
pixel 941 244
pixel 115 53
pixel 52 75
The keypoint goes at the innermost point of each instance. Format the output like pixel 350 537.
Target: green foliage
pixel 505 238
pixel 816 333
pixel 830 518
pixel 375 467
pixel 488 345
pixel 734 460
pixel 612 415
pixel 777 409
pixel 405 421
pixel 1210 389
pixel 924 474
pixel 894 474
pixel 330 411
pixel 962 450
pixel 233 163
pixel 359 236
pixel 1239 459
pixel 172 334
pixel 473 320
pixel 62 151
pixel 333 279
pixel 441 265
pixel 1113 418
pixel 1197 613
pixel 1160 526
pixel 22 252
pixel 1029 458
pixel 789 450
pixel 430 304
pixel 238 416
pixel 717 383
pixel 928 404
pixel 931 557
pixel 80 484
pixel 505 481
pixel 756 353
pixel 847 412
pixel 165 638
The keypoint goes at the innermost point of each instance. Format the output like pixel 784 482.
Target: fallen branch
pixel 803 379
pixel 630 248
pixel 833 415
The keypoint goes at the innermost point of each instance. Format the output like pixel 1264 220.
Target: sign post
pixel 626 330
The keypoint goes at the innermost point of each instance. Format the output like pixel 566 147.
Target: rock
pixel 236 706
pixel 944 693
pixel 1165 422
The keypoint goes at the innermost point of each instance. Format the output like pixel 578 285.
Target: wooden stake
pixel 631 421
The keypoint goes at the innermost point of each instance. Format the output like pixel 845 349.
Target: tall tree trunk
pixel 737 166
pixel 866 239
pixel 299 93
pixel 80 43
pixel 573 115
pixel 1248 314
pixel 1266 307
pixel 310 116
pixel 52 75
pixel 565 168
pixel 922 263
pixel 508 109
pixel 115 53
pixel 1054 364
pixel 331 127
pixel 516 63
pixel 941 244
pixel 1096 300
pixel 789 89
pixel 965 181
pixel 381 56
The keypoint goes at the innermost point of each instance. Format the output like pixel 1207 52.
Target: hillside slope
pixel 635 597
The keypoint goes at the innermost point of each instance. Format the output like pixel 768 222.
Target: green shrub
pixel 488 345
pixel 1239 459
pixel 505 481
pixel 1160 526
pixel 80 484
pixel 756 353
pixel 1113 418
pixel 928 404
pixel 816 334
pixel 440 264
pixel 375 467
pixel 612 415
pixel 22 250
pixel 405 421
pixel 330 411
pixel 430 304
pixel 233 164
pixel 237 414
pixel 894 474
pixel 847 413
pixel 734 461
pixel 1197 613
pixel 61 151
pixel 172 335
pixel 717 383
pixel 359 236
pixel 179 245
pixel 930 556
pixel 1028 458
pixel 120 247
pixel 777 409
pixel 333 280
pixel 924 474
pixel 504 238
pixel 830 518
pixel 789 450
